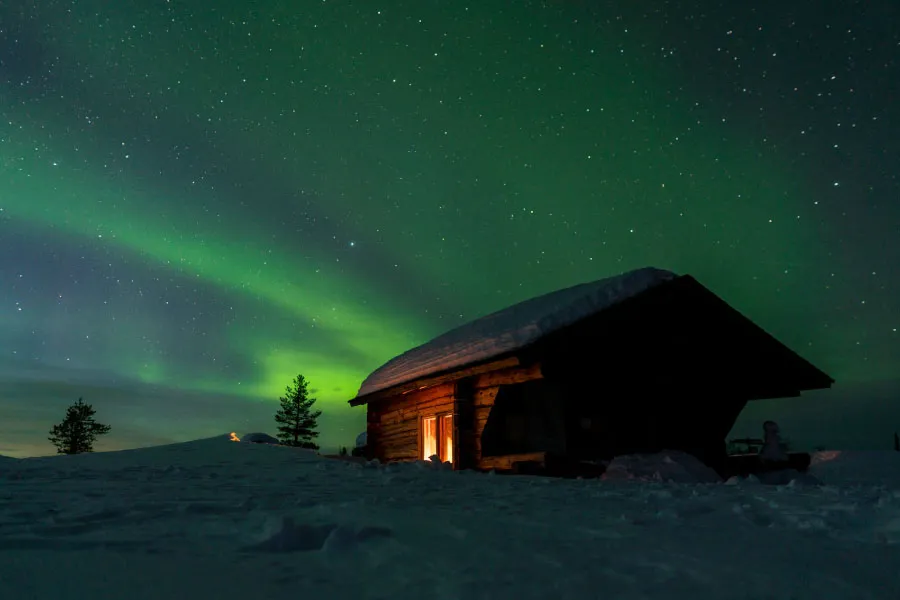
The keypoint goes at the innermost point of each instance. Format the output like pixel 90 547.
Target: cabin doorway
pixel 436 437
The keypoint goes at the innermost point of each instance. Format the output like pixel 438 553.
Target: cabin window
pixel 437 437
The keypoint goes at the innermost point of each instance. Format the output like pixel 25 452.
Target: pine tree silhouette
pixel 297 421
pixel 78 431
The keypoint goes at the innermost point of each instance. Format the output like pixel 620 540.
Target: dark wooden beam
pixel 431 380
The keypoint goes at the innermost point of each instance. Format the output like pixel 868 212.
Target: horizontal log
pixel 508 376
pixel 412 413
pixel 399 435
pixel 422 396
pixel 425 382
pixel 485 397
pixel 444 402
pixel 481 413
pixel 380 429
pixel 506 463
pixel 412 416
pixel 398 451
pixel 400 457
pixel 430 393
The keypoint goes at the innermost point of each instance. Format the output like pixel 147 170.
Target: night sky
pixel 199 200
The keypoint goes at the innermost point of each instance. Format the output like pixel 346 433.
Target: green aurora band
pixel 622 178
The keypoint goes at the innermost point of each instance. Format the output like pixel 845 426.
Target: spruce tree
pixel 296 419
pixel 78 431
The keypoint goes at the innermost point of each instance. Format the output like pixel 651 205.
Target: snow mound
pixel 512 328
pixel 259 438
pixel 857 467
pixel 669 465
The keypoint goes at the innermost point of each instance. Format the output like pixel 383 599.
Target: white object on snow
pixel 772 450
pixel 512 328
pixel 259 438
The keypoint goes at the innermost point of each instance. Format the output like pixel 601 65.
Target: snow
pixel 259 438
pixel 857 467
pixel 669 466
pixel 512 328
pixel 215 518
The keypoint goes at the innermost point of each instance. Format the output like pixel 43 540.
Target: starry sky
pixel 200 200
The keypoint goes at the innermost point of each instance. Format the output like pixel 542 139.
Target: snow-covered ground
pixel 215 519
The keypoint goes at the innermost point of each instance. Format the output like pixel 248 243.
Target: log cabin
pixel 637 363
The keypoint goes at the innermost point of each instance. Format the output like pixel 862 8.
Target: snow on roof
pixel 511 328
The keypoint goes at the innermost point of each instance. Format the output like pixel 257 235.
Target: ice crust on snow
pixel 215 518
pixel 512 328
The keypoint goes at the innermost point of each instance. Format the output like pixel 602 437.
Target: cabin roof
pixel 505 331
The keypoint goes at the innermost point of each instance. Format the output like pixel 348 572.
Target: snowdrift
pixel 668 466
pixel 857 467
pixel 216 518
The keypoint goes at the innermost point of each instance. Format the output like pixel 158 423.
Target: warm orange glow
pixel 437 438
pixel 447 438
pixel 429 437
pixel 234 437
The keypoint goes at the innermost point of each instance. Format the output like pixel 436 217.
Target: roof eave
pixel 456 373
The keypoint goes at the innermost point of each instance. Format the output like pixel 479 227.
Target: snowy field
pixel 216 519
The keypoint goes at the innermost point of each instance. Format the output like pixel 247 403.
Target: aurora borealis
pixel 199 202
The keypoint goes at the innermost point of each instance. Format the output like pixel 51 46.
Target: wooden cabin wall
pixel 392 429
pixel 476 400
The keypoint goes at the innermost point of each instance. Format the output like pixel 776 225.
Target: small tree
pixel 343 451
pixel 78 431
pixel 296 419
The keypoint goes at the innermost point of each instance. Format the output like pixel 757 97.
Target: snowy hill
pixel 215 518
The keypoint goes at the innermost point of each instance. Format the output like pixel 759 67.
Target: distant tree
pixel 343 451
pixel 78 431
pixel 896 442
pixel 358 451
pixel 297 421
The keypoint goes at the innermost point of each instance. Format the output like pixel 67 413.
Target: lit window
pixel 437 437
pixel 429 437
pixel 447 438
